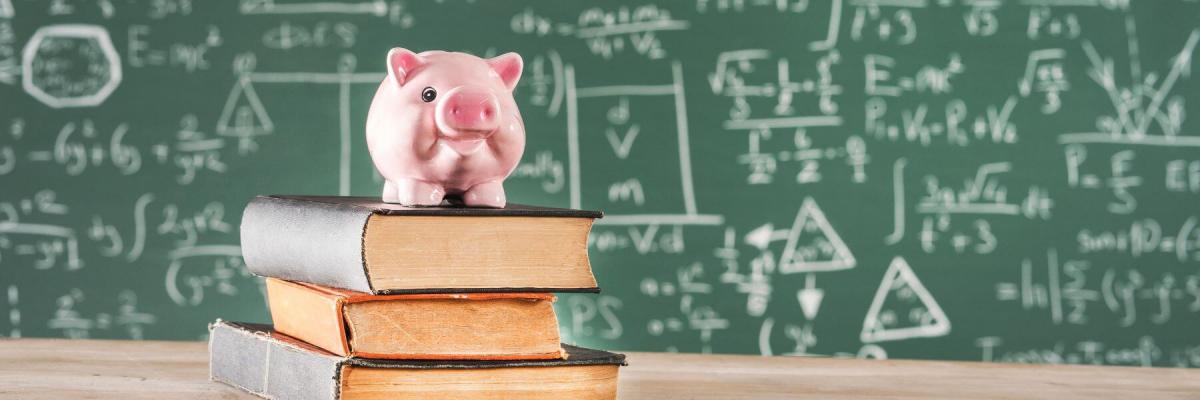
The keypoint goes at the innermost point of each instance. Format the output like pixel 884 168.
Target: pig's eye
pixel 428 94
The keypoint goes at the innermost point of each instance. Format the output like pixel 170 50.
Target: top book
pixel 362 244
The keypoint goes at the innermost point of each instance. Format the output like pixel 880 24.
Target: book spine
pixel 309 315
pixel 305 241
pixel 259 364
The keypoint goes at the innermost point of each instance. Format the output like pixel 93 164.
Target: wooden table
pixel 62 369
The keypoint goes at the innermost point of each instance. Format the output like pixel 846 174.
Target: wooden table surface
pixel 96 369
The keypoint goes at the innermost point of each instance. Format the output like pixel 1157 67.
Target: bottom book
pixel 261 361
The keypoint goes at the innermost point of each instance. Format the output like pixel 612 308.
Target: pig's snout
pixel 467 113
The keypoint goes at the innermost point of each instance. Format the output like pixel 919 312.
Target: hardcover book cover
pixel 362 244
pixel 266 363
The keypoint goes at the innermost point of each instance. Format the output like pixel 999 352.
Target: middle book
pixel 475 326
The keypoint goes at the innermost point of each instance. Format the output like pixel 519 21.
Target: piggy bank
pixel 445 123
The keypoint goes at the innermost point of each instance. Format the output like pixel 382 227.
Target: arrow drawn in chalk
pixel 810 297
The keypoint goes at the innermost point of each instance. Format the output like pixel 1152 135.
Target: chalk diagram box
pixel 637 167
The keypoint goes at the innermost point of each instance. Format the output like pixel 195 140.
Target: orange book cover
pixel 482 326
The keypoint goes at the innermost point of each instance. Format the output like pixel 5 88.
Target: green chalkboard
pixel 947 179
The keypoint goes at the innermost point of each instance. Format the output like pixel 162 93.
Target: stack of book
pixel 374 300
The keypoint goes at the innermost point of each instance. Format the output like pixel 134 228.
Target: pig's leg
pixel 389 192
pixel 412 192
pixel 487 194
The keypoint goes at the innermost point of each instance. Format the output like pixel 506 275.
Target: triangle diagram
pixel 243 114
pixel 813 245
pixel 903 308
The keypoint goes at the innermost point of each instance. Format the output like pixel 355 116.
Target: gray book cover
pixel 255 360
pixel 272 365
pixel 319 239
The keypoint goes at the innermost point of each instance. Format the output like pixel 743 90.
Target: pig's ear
pixel 508 66
pixel 401 62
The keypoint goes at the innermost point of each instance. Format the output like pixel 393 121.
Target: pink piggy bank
pixel 446 123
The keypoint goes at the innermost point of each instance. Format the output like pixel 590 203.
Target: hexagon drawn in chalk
pixel 70 65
